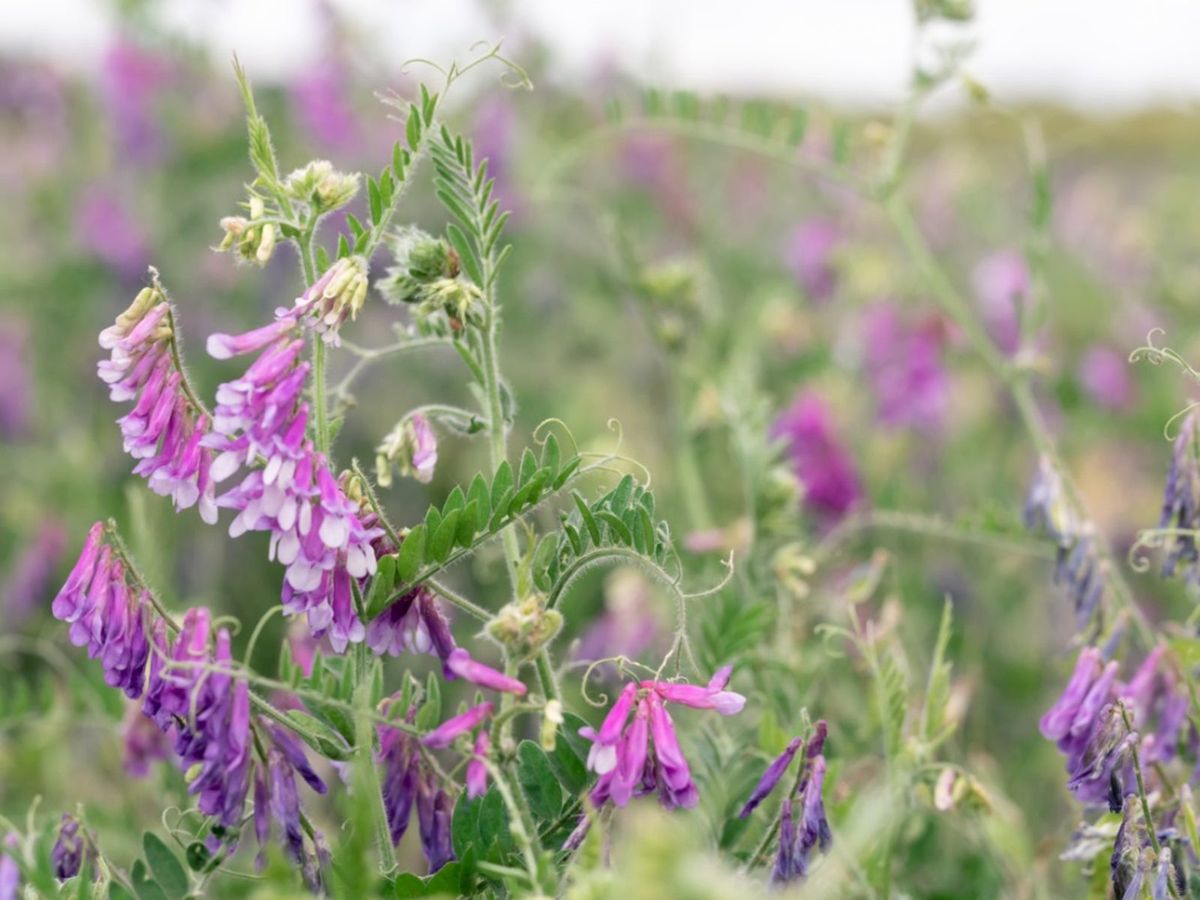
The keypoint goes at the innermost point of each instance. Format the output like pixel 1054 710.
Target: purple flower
pixel 16 388
pixel 414 623
pixel 424 449
pixel 797 843
pixel 1181 504
pixel 130 79
pixel 1001 288
pixel 904 367
pixel 276 798
pixel 493 130
pixel 25 587
pixel 446 733
pixel 145 743
pixel 810 255
pixel 107 230
pixel 818 459
pixel 401 760
pixel 1047 510
pixel 1104 374
pixel 164 431
pixel 712 696
pixel 460 664
pixel 319 98
pixel 67 854
pixel 10 872
pixel 477 773
pixel 628 624
pixel 434 810
pixel 770 778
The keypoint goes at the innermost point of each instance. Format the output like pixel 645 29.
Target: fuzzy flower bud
pixel 337 296
pixel 321 186
pixel 526 626
pixel 252 239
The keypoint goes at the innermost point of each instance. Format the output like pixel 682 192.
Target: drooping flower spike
pixel 276 799
pixel 165 429
pixel 797 842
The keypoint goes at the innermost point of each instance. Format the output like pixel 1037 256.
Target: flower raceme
pixel 1088 724
pixel 639 753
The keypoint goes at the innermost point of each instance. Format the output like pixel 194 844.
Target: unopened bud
pixel 525 626
pixel 321 185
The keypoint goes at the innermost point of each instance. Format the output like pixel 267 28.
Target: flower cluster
pixel 797 842
pixel 1181 505
pixel 409 780
pixel 317 532
pixel 187 685
pixel 276 799
pixel 821 463
pixel 67 854
pixel 165 430
pixel 412 447
pixel 1088 723
pixel 639 754
pixel 1078 569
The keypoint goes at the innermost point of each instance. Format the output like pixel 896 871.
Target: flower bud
pixel 525 626
pixel 254 240
pixel 552 718
pixel 321 185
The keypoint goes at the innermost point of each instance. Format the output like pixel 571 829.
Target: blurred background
pixel 691 288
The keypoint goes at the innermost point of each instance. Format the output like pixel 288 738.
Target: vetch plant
pixel 257 751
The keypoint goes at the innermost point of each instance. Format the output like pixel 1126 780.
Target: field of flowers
pixel 453 485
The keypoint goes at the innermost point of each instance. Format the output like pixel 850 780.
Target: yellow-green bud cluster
pixel 525 626
pixel 321 186
pixel 251 238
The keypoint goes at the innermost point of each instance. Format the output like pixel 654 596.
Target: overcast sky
pixel 1107 54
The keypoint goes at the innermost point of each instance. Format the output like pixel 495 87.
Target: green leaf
pixel 464 826
pixel 143 885
pixel 528 467
pixel 466 253
pixel 467 522
pixel 381 586
pixel 456 500
pixel 443 539
pixel 937 693
pixel 198 856
pixel 567 471
pixel 318 735
pixel 588 519
pixel 619 498
pixel 412 128
pixel 168 871
pixel 411 555
pixel 501 482
pixel 493 819
pixel 550 456
pixel 398 161
pixel 568 766
pixel 536 777
pixel 500 509
pixel 619 528
pixel 478 494
pixel 433 518
pixel 429 716
pixel 375 200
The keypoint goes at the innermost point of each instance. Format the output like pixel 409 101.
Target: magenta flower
pixel 16 387
pixel 276 798
pixel 460 664
pixel 130 79
pixel 319 98
pixel 639 755
pixel 1001 289
pixel 477 773
pixel 904 367
pixel 26 586
pixel 810 256
pixel 107 230
pixel 424 448
pixel 401 760
pixel 144 743
pixel 450 730
pixel 1104 374
pixel 164 431
pixel 819 460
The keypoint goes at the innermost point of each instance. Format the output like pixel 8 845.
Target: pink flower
pixel 459 663
pixel 446 733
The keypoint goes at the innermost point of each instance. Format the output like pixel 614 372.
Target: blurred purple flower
pixel 144 742
pixel 628 624
pixel 16 388
pixel 904 366
pixel 105 229
pixel 494 130
pixel 10 873
pixel 1001 285
pixel 67 854
pixel 131 78
pixel 319 99
pixel 25 588
pixel 809 255
pixel 819 460
pixel 1104 374
pixel 33 123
